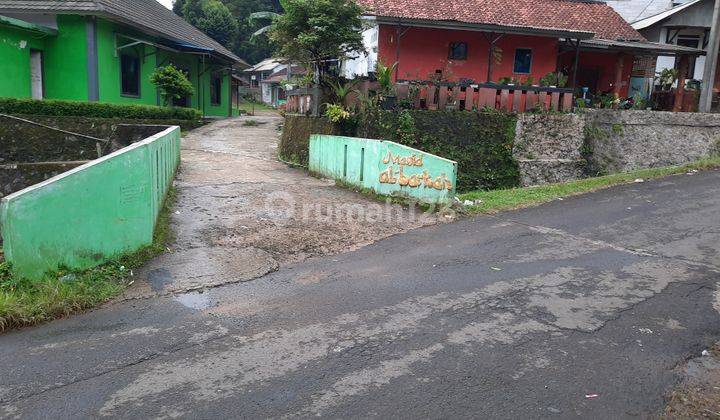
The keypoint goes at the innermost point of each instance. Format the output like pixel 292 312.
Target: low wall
pixel 621 141
pixel 563 147
pixel 90 214
pixel 384 167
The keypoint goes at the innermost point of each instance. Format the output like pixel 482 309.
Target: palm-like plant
pixel 265 16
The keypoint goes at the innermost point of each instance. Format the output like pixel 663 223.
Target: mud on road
pixel 241 213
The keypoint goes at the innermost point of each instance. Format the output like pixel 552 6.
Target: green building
pixel 106 50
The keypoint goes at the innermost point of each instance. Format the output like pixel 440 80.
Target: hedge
pixel 95 110
pixel 480 142
pixel 295 139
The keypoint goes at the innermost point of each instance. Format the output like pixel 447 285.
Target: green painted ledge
pixel 93 213
pixel 385 167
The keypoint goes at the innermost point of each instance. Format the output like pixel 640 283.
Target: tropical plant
pixel 341 90
pixel 336 113
pixel 384 75
pixel 556 79
pixel 666 77
pixel 266 16
pixel 172 83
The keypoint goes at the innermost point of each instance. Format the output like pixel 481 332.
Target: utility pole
pixel 711 60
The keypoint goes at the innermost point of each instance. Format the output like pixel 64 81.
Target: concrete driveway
pixel 586 307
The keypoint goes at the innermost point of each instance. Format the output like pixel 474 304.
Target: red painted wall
pixel 605 64
pixel 424 50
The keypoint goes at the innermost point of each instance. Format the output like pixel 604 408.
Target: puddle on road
pixel 195 301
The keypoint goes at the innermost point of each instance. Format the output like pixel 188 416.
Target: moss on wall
pixel 480 142
pixel 294 143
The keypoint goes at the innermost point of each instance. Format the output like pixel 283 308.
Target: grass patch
pixel 258 106
pixel 498 200
pixel 24 302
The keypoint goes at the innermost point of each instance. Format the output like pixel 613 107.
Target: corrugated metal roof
pixel 651 20
pixel 646 46
pixel 147 15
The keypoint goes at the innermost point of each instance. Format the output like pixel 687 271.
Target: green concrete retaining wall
pixel 384 167
pixel 92 213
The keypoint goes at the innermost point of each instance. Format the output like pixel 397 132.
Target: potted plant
pixel 384 76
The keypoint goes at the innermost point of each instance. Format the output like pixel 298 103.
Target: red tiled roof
pixel 567 15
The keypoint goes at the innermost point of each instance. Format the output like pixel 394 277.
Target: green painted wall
pixel 15 46
pixel 109 65
pixel 66 73
pixel 65 60
pixel 93 213
pixel 385 167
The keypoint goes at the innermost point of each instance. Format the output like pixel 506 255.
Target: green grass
pixel 24 302
pixel 499 200
pixel 248 107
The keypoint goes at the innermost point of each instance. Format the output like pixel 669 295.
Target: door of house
pixel 36 74
pixel 588 77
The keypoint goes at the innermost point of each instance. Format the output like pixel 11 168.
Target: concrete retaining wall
pixel 384 167
pixel 93 213
pixel 563 147
pixel 30 154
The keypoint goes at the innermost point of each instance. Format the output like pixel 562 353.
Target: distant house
pixel 687 25
pixel 106 50
pixel 489 40
pixel 271 77
pixel 260 71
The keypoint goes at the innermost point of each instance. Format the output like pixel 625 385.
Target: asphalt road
pixel 519 315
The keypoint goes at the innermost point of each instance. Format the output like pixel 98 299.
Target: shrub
pixel 95 110
pixel 480 142
pixel 172 83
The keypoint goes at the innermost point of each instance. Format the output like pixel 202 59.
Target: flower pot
pixel 388 103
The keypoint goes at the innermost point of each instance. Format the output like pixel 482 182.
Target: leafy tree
pixel 211 17
pixel 315 31
pixel 218 22
pixel 172 83
pixel 252 49
pixel 193 10
pixel 178 7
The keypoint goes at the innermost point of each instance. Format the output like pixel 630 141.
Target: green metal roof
pixel 17 23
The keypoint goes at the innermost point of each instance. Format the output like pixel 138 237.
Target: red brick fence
pixel 452 96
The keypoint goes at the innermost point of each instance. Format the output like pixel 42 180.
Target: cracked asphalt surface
pixel 516 315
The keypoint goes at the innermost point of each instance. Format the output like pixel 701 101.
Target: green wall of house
pixel 15 46
pixel 65 57
pixel 65 65
pixel 109 65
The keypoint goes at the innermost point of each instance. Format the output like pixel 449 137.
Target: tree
pixel 218 22
pixel 172 83
pixel 252 49
pixel 316 31
pixel 178 7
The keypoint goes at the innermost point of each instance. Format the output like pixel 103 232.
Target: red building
pixel 489 40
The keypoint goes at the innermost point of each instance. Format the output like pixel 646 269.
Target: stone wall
pixel 621 141
pixel 547 147
pixel 556 148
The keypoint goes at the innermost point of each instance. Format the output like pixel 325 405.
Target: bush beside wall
pixel 294 143
pixel 15 106
pixel 480 142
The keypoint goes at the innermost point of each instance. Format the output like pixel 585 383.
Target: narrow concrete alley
pixel 241 213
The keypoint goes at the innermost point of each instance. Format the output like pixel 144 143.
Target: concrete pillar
pixel 711 61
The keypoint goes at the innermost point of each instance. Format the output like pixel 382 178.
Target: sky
pixel 166 3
